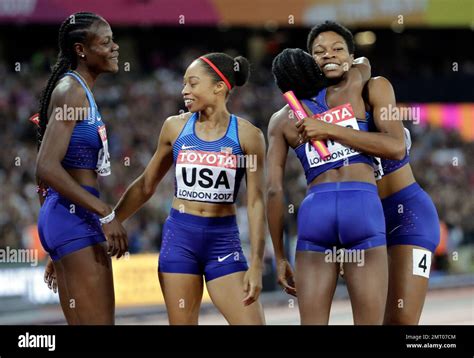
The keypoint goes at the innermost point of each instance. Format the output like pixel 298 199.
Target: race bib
pixel 103 159
pixel 378 168
pixel 206 176
pixel 341 116
pixel 407 139
pixel 421 262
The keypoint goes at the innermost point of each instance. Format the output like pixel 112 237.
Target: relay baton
pixel 300 113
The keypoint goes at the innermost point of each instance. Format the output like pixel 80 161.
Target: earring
pixel 82 55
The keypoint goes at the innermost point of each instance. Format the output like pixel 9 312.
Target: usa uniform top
pixel 88 146
pixel 62 230
pixel 386 166
pixel 389 166
pixel 341 155
pixel 208 171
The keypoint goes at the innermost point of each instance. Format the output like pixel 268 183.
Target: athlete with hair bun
pixel 207 146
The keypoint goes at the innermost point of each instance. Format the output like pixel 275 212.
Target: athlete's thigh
pixel 315 280
pixel 367 280
pixel 86 280
pixel 227 293
pixel 64 295
pixel 409 268
pixel 183 295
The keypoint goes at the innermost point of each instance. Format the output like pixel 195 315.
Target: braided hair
pixel 295 69
pixel 73 29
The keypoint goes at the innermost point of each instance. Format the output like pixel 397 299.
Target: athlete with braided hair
pixel 74 224
pixel 411 219
pixel 341 208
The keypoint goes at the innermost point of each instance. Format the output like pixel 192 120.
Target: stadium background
pixel 424 47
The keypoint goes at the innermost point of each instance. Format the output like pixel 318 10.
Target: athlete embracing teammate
pixel 410 217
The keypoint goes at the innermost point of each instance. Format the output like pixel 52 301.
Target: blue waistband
pixel 189 219
pixel 341 186
pixel 90 189
pixel 402 195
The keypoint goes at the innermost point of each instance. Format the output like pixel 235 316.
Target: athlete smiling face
pixel 199 90
pixel 332 54
pixel 409 246
pixel 338 189
pixel 201 237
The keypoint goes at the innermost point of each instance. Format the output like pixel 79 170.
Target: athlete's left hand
pixel 252 284
pixel 311 128
pixel 50 276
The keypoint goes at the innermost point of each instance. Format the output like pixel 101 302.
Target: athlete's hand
pixel 50 276
pixel 311 128
pixel 286 277
pixel 252 284
pixel 116 238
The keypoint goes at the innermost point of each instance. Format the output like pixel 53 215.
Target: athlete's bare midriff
pixel 395 181
pixel 84 177
pixel 203 209
pixel 355 172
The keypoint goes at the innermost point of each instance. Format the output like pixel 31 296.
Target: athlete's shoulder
pixel 378 83
pixel 249 135
pixel 283 112
pixel 279 119
pixel 378 90
pixel 248 127
pixel 173 125
pixel 178 119
pixel 68 92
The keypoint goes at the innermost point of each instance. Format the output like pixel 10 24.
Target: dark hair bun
pixel 241 70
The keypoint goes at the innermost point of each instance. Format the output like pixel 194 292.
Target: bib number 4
pixel 421 262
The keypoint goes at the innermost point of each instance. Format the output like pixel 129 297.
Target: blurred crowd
pixel 134 106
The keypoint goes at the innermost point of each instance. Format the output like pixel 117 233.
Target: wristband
pixel 108 218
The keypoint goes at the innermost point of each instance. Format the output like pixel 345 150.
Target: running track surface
pixel 442 307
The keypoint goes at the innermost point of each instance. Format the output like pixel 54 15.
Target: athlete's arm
pixel 40 189
pixel 54 147
pixel 49 169
pixel 49 271
pixel 254 148
pixel 362 65
pixel 388 143
pixel 276 161
pixel 143 188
